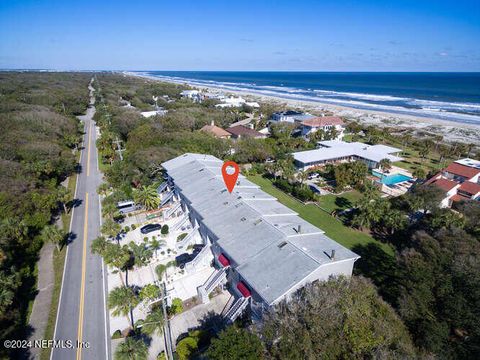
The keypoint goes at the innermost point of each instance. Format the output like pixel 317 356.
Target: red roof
pixel 470 187
pixel 458 198
pixel 223 260
pixel 243 289
pixel 462 170
pixel 445 184
pixel 244 131
pixel 323 121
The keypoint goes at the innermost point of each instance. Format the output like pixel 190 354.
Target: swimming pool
pixel 391 179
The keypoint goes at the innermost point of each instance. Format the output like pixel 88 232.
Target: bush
pixel 181 237
pixel 126 229
pixel 117 335
pixel 160 270
pixel 176 307
pixel 188 346
pixel 134 226
pixel 145 239
pixel 164 230
pixel 162 356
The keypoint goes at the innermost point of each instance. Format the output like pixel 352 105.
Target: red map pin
pixel 230 171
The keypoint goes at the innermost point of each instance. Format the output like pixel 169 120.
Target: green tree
pixel 235 343
pixel 54 235
pixel 425 197
pixel 141 253
pixel 176 307
pixel 338 319
pixel 419 173
pixel 149 292
pixel 122 300
pixel 154 322
pixel 131 349
pixel 111 228
pixel 156 244
pixel 147 196
pixel 385 164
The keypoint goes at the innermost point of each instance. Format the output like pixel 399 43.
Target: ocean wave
pixel 462 112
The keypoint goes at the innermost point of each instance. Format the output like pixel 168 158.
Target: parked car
pixel 182 259
pixel 314 175
pixel 149 228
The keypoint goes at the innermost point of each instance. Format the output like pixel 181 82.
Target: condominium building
pixel 262 250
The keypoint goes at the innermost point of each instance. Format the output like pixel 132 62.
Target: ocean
pixel 445 96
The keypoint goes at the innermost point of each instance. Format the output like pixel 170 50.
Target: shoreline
pixel 450 130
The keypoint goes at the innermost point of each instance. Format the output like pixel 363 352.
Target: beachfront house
pixel 325 123
pixel 460 181
pixel 262 250
pixel 233 101
pixel 290 116
pixel 335 151
pixel 193 95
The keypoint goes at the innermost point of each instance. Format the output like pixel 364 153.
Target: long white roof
pixel 254 230
pixel 334 149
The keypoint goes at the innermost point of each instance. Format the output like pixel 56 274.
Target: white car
pixel 313 176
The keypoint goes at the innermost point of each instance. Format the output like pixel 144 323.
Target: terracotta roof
pixel 215 130
pixel 458 198
pixel 433 178
pixel 244 131
pixel 470 187
pixel 445 184
pixel 323 121
pixel 462 170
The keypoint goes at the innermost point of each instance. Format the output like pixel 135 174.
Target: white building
pixel 194 95
pixel 236 102
pixel 290 116
pixel 325 123
pixel 333 151
pixel 261 248
pixel 159 112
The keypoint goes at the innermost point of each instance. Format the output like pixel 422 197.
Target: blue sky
pixel 322 35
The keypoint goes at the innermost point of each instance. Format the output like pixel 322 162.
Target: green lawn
pixel 332 202
pixel 333 228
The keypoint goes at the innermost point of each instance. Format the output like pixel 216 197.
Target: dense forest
pixel 422 302
pixel 39 132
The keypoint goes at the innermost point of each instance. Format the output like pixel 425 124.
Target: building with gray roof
pixel 262 248
pixel 333 151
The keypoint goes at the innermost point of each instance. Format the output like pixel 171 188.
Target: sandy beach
pixel 451 131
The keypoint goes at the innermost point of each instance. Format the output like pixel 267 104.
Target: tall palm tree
pixel 156 244
pixel 141 253
pixel 99 246
pixel 385 164
pixel 302 176
pixel 154 322
pixel 122 300
pixel 131 349
pixel 147 196
pixel 110 228
pixel 53 234
pixel 64 197
pixel 118 257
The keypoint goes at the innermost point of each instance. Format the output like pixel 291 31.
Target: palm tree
pixel 154 322
pixel 118 257
pixel 156 245
pixel 131 349
pixel 141 254
pixel 423 152
pixel 385 164
pixel 64 197
pixel 122 300
pixel 53 234
pixel 419 173
pixel 99 246
pixel 302 176
pixel 147 196
pixel 110 228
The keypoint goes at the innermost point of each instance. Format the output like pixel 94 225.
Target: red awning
pixel 243 289
pixel 223 260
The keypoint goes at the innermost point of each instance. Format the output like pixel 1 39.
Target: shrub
pixel 145 239
pixel 117 335
pixel 134 226
pixel 162 356
pixel 176 307
pixel 126 229
pixel 164 230
pixel 181 237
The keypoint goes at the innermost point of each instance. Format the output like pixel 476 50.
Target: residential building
pixel 261 248
pixel 241 131
pixel 236 102
pixel 460 180
pixel 290 116
pixel 325 123
pixel 193 95
pixel 216 131
pixel 160 112
pixel 334 151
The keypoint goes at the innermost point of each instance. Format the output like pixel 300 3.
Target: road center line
pixel 82 286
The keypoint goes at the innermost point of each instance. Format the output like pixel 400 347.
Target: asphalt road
pixel 82 313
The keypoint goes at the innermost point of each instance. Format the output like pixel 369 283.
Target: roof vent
pixel 243 219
